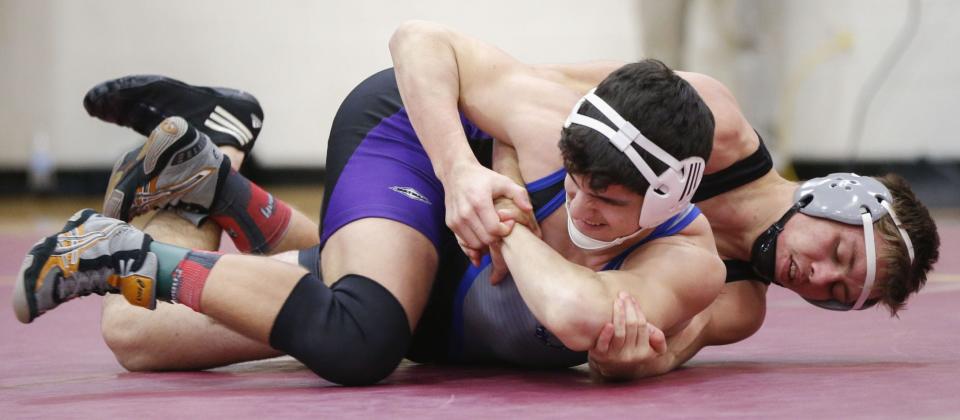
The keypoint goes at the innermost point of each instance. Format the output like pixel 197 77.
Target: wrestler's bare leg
pixel 174 337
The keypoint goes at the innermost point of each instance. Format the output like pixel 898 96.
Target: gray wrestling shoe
pixel 93 254
pixel 178 167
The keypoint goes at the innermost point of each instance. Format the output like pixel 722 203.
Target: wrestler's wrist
pixel 611 372
pixel 453 166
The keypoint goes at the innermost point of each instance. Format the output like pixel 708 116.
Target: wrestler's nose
pixel 825 273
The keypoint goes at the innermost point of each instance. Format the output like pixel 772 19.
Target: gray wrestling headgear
pixel 671 191
pixel 855 200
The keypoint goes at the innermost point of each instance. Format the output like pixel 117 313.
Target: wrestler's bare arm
pixel 440 73
pixel 573 301
pixel 736 314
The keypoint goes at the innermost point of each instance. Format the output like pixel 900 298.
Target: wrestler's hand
pixel 627 344
pixel 469 193
pixel 507 210
pixel 509 215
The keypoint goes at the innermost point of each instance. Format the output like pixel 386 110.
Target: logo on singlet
pixel 267 210
pixel 411 194
pixel 547 338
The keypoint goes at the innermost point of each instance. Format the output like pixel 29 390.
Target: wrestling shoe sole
pixel 170 136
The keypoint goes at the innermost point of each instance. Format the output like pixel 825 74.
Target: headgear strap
pixel 671 191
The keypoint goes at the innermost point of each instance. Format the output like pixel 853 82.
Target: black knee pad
pixel 352 333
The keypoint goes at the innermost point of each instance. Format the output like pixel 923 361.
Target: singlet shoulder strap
pixel 547 194
pixel 670 227
pixel 742 172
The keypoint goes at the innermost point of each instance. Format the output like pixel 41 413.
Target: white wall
pixel 299 57
pixel 800 67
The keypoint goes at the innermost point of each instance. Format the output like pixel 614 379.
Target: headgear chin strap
pixel 763 255
pixel 671 191
pixel 852 199
pixel 582 241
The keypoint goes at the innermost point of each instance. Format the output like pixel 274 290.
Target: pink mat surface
pixel 804 363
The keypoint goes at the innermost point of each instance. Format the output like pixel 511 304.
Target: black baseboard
pixel 93 181
pixel 936 183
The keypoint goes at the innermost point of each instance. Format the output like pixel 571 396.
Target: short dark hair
pixel 658 102
pixel 903 278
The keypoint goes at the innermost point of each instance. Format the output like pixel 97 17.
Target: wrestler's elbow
pixel 412 32
pixel 576 321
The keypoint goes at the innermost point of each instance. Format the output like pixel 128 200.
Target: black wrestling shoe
pixel 228 116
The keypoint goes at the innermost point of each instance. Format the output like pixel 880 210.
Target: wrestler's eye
pixel 609 201
pixel 846 257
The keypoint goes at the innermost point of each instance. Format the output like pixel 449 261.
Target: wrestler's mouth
pixel 795 274
pixel 589 225
pixel 788 271
pixel 792 274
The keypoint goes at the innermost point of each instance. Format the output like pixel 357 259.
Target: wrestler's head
pixel 604 214
pixel 825 261
pixel 662 105
pixel 643 125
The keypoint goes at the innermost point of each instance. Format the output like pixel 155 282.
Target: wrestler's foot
pixel 230 117
pixel 177 166
pixel 92 254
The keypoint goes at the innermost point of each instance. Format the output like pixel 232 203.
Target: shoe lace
pixel 83 283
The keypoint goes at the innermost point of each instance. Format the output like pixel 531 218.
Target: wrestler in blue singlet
pixel 376 167
pixel 492 324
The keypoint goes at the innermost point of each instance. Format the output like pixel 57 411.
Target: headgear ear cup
pixel 671 191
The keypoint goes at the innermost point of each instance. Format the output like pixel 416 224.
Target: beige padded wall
pixel 300 57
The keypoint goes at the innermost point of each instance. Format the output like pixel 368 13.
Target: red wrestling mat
pixel 804 363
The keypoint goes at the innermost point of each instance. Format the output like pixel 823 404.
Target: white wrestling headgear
pixel 668 194
pixel 856 200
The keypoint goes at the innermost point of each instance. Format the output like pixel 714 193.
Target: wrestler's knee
pixel 357 337
pixel 118 326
